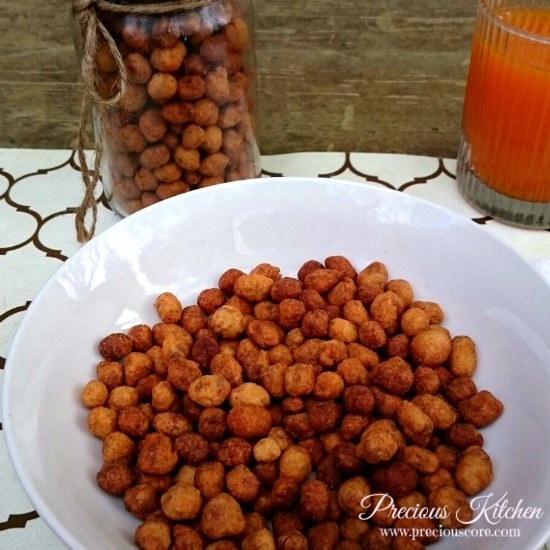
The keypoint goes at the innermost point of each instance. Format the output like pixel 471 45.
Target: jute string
pixel 93 30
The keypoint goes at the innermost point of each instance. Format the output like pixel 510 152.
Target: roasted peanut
pixel 269 379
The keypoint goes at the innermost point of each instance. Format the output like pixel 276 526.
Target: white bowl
pixel 183 245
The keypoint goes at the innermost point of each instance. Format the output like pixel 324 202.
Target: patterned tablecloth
pixel 39 190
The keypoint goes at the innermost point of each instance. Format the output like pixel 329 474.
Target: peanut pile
pixel 185 120
pixel 276 411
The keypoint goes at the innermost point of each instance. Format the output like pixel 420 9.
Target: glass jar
pixel 173 95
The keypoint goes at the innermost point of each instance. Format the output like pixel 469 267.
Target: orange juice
pixel 506 121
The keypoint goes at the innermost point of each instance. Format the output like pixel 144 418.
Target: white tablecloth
pixel 39 190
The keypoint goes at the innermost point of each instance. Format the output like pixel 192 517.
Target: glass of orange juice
pixel 503 164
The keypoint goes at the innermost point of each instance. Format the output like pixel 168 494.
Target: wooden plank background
pixel 345 75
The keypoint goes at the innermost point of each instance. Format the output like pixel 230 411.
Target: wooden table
pixel 351 75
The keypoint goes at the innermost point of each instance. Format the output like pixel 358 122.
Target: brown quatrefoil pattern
pixel 39 193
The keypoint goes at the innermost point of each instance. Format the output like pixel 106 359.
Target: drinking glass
pixel 503 164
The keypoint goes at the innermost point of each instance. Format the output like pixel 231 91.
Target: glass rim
pixel 488 7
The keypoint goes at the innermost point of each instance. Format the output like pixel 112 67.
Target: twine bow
pixel 93 30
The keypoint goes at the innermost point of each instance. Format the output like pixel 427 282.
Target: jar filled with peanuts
pixel 172 92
